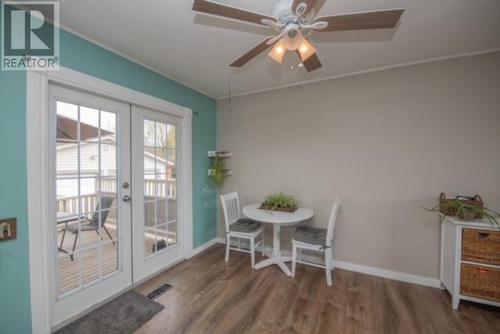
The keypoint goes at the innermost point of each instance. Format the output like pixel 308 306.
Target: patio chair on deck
pixel 91 224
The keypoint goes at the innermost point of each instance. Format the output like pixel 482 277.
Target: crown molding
pixel 277 87
pixel 366 71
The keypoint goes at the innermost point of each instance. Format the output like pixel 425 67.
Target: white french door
pixel 90 219
pixel 109 201
pixel 157 213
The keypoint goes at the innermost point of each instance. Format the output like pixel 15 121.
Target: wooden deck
pixel 68 271
pixel 211 296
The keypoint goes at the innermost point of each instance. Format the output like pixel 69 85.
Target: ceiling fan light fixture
pixel 294 21
pixel 306 49
pixel 278 52
pixel 292 37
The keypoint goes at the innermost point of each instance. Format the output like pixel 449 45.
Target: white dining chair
pixel 240 228
pixel 317 240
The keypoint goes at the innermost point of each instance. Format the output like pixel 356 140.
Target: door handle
pixel 126 198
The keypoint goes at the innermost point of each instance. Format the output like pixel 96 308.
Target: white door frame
pixel 37 171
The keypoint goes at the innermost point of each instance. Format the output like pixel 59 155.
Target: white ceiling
pixel 196 49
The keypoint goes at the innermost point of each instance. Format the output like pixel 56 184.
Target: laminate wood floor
pixel 211 296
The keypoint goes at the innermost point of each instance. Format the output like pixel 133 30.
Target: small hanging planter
pixel 218 171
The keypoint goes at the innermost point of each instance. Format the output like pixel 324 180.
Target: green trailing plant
pixel 467 211
pixel 218 172
pixel 280 201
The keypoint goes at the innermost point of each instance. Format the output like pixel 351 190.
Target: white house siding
pixel 67 159
pixel 67 167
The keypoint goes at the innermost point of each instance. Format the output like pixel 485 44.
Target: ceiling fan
pixel 294 21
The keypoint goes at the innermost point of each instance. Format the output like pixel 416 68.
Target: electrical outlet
pixel 8 229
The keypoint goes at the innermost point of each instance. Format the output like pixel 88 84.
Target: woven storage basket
pixel 480 282
pixel 481 246
pixel 473 201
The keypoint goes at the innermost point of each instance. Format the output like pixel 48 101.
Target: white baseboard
pixel 203 247
pixel 390 274
pixel 359 268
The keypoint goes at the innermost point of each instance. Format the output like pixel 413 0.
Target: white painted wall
pixel 386 143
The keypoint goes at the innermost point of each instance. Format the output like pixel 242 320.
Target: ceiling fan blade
pixel 273 24
pixel 312 63
pixel 262 46
pixel 357 21
pixel 310 5
pixel 214 8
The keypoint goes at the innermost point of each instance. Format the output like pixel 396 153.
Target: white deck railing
pixel 88 202
pixel 70 204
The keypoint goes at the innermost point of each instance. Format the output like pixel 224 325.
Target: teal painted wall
pixel 88 58
pixel 15 314
pixel 80 55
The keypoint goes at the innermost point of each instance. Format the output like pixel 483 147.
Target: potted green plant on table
pixel 280 202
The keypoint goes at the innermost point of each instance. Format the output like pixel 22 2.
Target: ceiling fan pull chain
pixel 229 97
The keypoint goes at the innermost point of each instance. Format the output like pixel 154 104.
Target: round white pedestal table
pixel 277 219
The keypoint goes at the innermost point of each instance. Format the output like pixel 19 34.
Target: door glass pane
pixel 89 259
pixel 67 122
pixel 149 215
pixel 159 185
pixel 66 158
pixel 172 233
pixel 89 158
pixel 149 188
pixel 109 260
pixel 67 195
pixel 86 191
pixel 161 212
pixel 109 229
pixel 161 233
pixel 108 127
pixel 67 274
pixel 89 124
pixel 108 159
pixel 149 226
pixel 108 188
pixel 149 242
pixel 149 147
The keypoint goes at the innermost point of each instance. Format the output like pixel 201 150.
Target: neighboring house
pixel 67 161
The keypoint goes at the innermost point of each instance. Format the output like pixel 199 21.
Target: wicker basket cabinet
pixel 470 261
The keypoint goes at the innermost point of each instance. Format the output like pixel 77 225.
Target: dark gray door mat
pixel 122 315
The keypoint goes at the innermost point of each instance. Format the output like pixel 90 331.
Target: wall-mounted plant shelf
pixel 219 154
pixel 217 171
pixel 227 172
